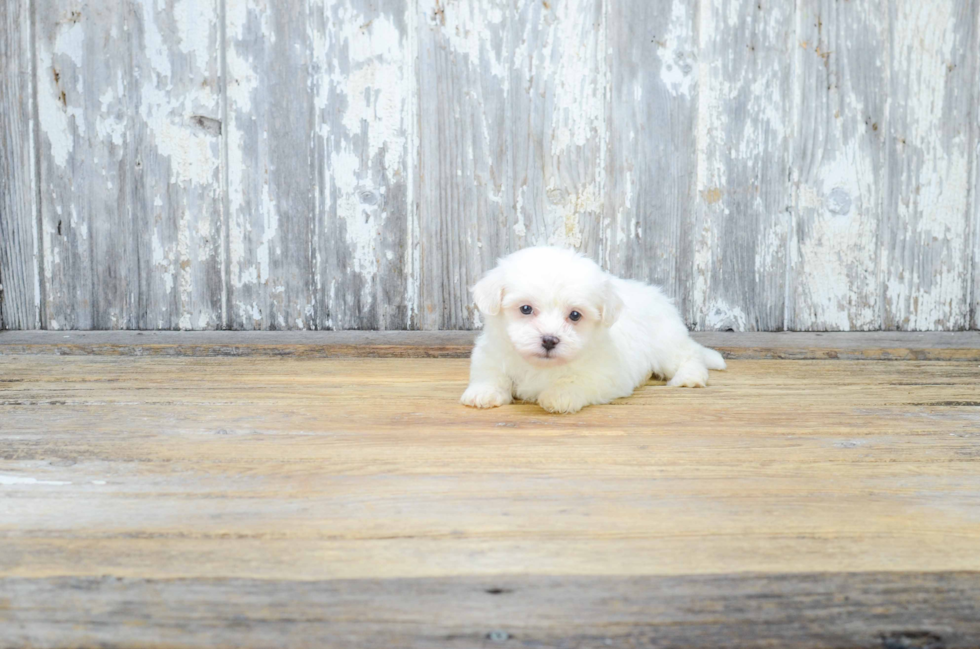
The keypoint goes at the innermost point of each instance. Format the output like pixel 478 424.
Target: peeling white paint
pixel 678 63
pixel 53 113
pixel 933 185
pixel 580 99
pixel 527 72
pixel 361 228
pixel 722 317
pixel 156 50
pixel 372 81
pixel 193 19
pixel 375 86
pixel 193 155
pixel 711 125
pixel 243 82
pixel 465 26
pixel 839 235
pixel 163 260
pixel 270 231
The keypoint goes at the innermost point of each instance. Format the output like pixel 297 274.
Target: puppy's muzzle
pixel 549 342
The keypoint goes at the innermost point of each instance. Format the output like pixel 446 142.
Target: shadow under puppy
pixel 560 331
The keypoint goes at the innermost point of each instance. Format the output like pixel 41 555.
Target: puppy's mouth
pixel 549 358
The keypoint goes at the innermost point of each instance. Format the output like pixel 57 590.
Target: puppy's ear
pixel 489 292
pixel 611 306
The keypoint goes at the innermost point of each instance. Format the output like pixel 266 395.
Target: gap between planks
pixel 920 346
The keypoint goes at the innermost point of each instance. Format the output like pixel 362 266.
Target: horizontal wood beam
pixel 947 346
pixel 890 610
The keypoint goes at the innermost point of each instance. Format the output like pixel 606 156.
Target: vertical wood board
pixel 651 165
pixel 925 249
pixel 838 165
pixel 320 165
pixel 512 106
pixel 359 164
pixel 20 290
pixel 128 99
pixel 271 181
pixel 365 154
pixel 745 108
pixel 975 188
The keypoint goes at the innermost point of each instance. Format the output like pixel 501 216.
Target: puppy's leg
pixel 573 395
pixel 712 359
pixel 691 374
pixel 563 399
pixel 489 384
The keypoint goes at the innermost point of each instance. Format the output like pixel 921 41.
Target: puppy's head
pixel 551 302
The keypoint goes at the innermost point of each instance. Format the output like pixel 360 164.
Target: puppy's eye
pixel 574 316
pixel 526 309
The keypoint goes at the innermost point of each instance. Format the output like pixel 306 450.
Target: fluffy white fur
pixel 627 331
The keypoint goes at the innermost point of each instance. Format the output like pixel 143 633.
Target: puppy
pixel 560 331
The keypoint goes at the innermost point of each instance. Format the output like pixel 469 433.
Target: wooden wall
pixel 356 164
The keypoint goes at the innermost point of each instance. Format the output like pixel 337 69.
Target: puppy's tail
pixel 712 359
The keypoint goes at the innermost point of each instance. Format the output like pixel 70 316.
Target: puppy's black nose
pixel 549 342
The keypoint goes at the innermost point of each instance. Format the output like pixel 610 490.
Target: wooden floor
pixel 270 501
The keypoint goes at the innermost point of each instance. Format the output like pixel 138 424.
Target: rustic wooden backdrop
pixel 290 164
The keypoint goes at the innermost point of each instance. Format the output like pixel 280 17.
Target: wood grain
pixel 745 110
pixel 366 154
pixel 512 106
pixel 20 297
pixel 270 501
pixel 652 162
pixel 271 125
pixel 128 99
pixel 814 610
pixel 321 165
pixel 933 67
pixel 271 468
pixel 356 164
pixel 839 166
pixel 975 189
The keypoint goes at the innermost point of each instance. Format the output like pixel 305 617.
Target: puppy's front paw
pixel 485 396
pixel 560 401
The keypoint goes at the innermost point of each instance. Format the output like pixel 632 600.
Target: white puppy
pixel 560 331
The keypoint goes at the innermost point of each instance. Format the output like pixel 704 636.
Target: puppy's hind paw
pixel 558 401
pixel 485 396
pixel 685 382
pixel 689 376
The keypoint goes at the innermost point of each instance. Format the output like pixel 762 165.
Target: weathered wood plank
pixel 306 469
pixel 263 502
pixel 932 70
pixel 975 191
pixel 321 165
pixel 382 155
pixel 512 111
pixel 744 128
pixel 130 196
pixel 651 165
pixel 838 165
pixel 365 150
pixel 920 346
pixel 312 344
pixel 858 610
pixel 271 175
pixel 20 291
